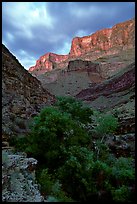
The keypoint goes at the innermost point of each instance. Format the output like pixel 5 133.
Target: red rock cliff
pixel 119 37
pixel 47 62
pixel 101 43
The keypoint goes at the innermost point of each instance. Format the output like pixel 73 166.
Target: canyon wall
pixel 104 42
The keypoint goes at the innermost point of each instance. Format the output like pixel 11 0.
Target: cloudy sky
pixel 31 29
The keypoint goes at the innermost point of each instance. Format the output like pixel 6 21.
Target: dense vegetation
pixel 73 166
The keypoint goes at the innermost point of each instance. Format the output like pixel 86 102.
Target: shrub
pixel 20 143
pixel 46 181
pixel 85 178
pixel 76 108
pixel 101 151
pixel 123 171
pixel 121 194
pixel 75 173
pixel 105 124
pixel 51 188
pixel 51 130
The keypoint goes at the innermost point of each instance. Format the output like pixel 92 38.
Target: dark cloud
pixel 31 29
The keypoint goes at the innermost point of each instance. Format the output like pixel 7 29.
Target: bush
pixel 85 178
pixel 101 151
pixel 46 181
pixel 75 173
pixel 75 108
pixel 123 171
pixel 105 124
pixel 20 143
pixel 51 188
pixel 121 194
pixel 51 130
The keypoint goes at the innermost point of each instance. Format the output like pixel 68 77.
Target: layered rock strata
pixel 115 84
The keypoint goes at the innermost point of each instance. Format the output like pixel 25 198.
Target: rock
pixel 122 145
pixel 47 63
pixel 18 178
pixel 120 36
pixel 102 43
pixel 117 83
pixel 22 95
pixel 127 124
pixel 83 65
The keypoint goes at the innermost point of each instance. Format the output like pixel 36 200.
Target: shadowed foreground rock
pixel 22 96
pixel 18 178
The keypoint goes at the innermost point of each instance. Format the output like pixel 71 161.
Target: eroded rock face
pixel 119 37
pixel 48 62
pixel 22 96
pixel 18 178
pixel 102 43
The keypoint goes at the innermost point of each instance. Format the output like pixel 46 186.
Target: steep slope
pixel 115 84
pixel 115 95
pixel 106 42
pixel 78 75
pixel 22 96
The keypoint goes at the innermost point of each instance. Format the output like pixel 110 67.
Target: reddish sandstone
pixel 102 43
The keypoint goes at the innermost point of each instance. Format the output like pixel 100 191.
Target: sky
pixel 32 29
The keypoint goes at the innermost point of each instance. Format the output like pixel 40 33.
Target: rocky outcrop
pixel 83 65
pixel 48 62
pixel 18 178
pixel 101 43
pixel 22 96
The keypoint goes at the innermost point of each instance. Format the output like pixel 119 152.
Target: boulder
pixel 18 178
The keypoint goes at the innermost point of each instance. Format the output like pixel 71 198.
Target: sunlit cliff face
pixel 103 42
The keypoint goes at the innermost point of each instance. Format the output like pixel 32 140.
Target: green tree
pixel 78 110
pixel 74 174
pixel 51 130
pixel 106 124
